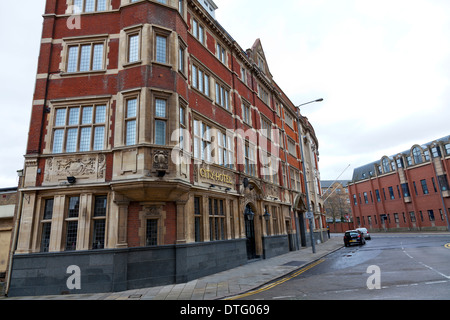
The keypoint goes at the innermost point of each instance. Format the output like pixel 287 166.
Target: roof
pixel 8 190
pixel 368 170
pixel 328 183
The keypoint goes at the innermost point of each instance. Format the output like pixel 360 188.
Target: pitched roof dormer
pixel 210 7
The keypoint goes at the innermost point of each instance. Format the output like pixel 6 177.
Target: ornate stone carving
pixel 160 159
pixel 59 168
pixel 153 211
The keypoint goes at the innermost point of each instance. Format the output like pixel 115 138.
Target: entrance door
pixel 302 230
pixel 383 219
pixel 250 232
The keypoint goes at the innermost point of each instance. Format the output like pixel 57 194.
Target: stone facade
pixel 157 147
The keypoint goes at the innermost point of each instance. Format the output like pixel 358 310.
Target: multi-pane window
pixel 447 149
pixel 99 219
pixel 89 5
pixel 85 57
pixel 391 193
pixel 424 186
pixel 289 119
pixel 130 121
pixel 200 80
pixel 263 94
pixel 181 58
pixel 46 225
pixel 244 75
pixel 72 223
pixel 281 139
pixel 198 219
pixel 275 221
pixel 133 48
pixel 284 173
pixel 386 167
pixel 417 154
pixel 151 234
pixel 221 53
pixel 161 49
pixel 431 215
pixel 295 179
pixel 291 147
pixel 198 31
pixel 226 150
pixel 222 96
pixel 160 121
pixel 182 126
pixel 246 114
pixel 216 219
pixel 436 152
pixel 79 128
pixel 269 167
pixel 202 141
pixel 266 128
pixel 250 160
pixel 443 182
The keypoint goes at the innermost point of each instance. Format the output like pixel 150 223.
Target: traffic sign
pixel 309 215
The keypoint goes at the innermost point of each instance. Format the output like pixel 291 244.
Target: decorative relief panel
pixel 160 159
pixel 90 167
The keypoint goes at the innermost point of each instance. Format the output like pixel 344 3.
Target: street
pixel 409 266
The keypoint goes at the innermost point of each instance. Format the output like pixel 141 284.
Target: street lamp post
pixel 310 217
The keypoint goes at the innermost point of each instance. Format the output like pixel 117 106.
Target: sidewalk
pixel 221 285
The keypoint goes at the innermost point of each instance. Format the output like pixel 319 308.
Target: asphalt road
pixel 394 266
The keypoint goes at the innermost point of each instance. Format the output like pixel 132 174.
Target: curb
pixel 274 279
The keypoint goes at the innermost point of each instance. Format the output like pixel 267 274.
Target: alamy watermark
pixel 234 147
pixel 374 281
pixel 74 281
pixel 74 21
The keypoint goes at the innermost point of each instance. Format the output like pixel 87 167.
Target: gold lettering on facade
pixel 216 176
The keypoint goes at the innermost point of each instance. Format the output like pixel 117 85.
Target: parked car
pixel 354 237
pixel 365 232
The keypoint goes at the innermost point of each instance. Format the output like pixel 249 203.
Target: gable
pixel 259 57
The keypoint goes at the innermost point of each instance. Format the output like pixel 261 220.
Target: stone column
pixel 118 222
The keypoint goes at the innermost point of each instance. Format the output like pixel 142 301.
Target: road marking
pixel 277 283
pixel 439 273
pixel 426 266
pixel 447 245
pixel 436 282
pixel 283 298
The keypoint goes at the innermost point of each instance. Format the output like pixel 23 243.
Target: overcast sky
pixel 383 68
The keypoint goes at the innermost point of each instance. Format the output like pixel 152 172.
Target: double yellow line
pixel 277 283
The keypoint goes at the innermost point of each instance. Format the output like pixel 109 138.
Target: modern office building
pixel 159 151
pixel 405 192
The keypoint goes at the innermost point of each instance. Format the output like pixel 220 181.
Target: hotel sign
pixel 215 176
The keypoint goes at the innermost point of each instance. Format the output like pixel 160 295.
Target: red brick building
pixel 405 192
pixel 159 151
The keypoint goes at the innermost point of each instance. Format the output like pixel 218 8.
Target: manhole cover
pixel 294 264
pixel 135 296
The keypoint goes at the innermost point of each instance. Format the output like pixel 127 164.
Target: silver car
pixel 365 233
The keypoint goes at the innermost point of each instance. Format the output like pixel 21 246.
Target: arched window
pixel 386 167
pixel 417 154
